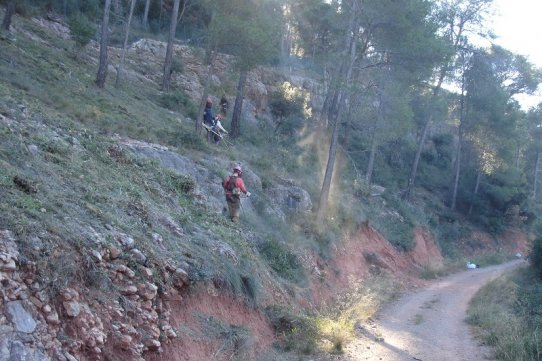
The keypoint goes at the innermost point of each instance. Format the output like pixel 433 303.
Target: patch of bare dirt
pixel 242 330
pixel 516 241
pixel 368 251
pixel 510 241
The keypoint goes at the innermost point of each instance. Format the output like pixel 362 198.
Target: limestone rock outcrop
pixel 37 324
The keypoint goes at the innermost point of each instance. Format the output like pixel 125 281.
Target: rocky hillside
pixel 113 240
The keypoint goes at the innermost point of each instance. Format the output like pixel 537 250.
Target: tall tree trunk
pixel 537 166
pixel 10 10
pixel 374 143
pixel 185 4
pixel 347 123
pixel 331 102
pixel 346 74
pixel 535 176
pixel 370 166
pixel 325 80
pixel 324 194
pixel 329 107
pixel 457 169
pixel 120 68
pixel 102 68
pixel 333 105
pixel 436 90
pixel 459 144
pixel 414 170
pixel 475 193
pixel 168 63
pixel 238 106
pixel 518 156
pixel 116 7
pixel 330 95
pixel 146 14
pixel 286 39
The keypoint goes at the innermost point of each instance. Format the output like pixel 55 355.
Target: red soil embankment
pixel 353 260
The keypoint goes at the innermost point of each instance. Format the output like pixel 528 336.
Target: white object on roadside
pixel 471 265
pixel 519 255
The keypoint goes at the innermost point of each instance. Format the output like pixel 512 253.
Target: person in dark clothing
pixel 224 105
pixel 209 118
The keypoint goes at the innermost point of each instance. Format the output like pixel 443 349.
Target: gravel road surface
pixel 428 324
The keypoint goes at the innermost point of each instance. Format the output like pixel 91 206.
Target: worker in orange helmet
pixel 233 187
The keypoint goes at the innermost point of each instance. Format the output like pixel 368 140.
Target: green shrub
pixel 396 228
pixel 286 106
pixel 177 66
pixel 282 261
pixel 90 8
pixel 325 240
pixel 448 235
pixel 396 219
pixel 234 340
pixel 489 259
pixel 237 279
pixel 190 140
pixel 432 271
pixel 181 183
pixel 294 330
pixel 508 315
pixel 250 288
pixel 82 29
pixel 178 101
pixel 25 8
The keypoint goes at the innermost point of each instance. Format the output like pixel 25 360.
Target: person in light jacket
pixel 218 129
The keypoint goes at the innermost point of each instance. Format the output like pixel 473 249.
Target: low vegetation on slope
pixel 507 316
pixel 507 313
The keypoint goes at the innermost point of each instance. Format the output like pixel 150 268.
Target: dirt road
pixel 429 325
